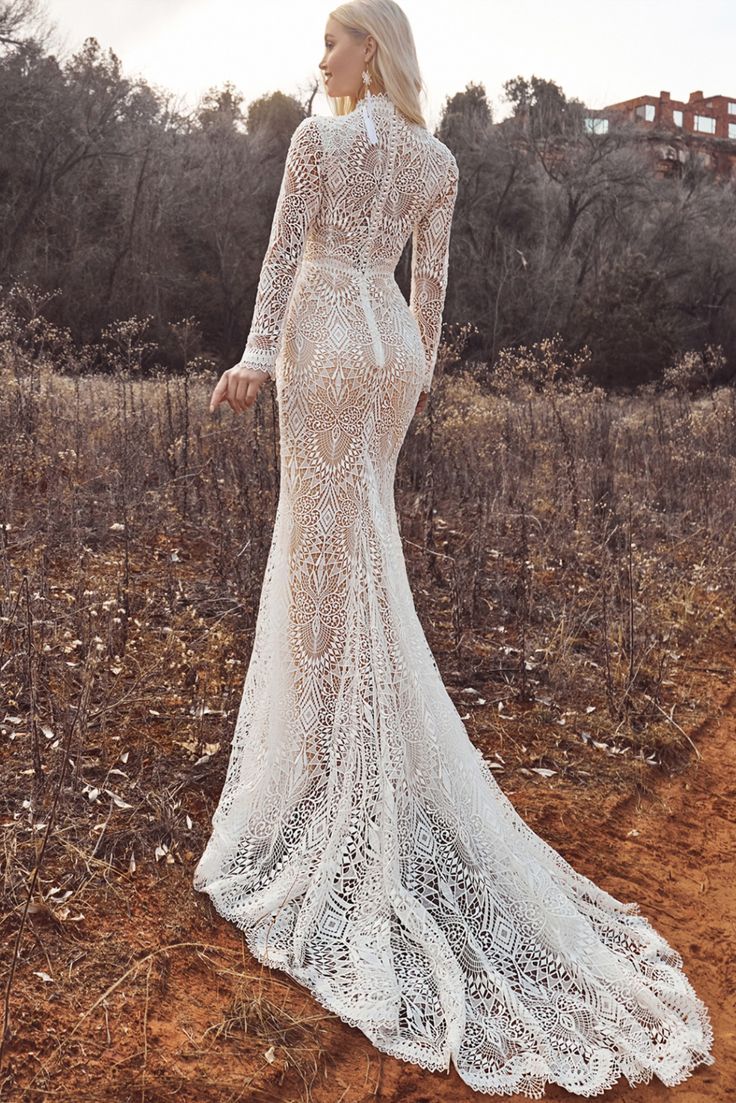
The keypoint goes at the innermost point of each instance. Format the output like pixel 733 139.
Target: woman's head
pixel 373 35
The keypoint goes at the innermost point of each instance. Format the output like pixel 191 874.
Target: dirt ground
pixel 155 998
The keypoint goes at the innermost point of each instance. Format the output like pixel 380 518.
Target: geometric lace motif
pixel 361 841
pixel 350 207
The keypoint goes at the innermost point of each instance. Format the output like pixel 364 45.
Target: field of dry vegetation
pixel 573 558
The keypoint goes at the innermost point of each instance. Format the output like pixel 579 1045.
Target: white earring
pixel 367 110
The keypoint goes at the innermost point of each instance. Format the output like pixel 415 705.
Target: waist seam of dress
pixel 385 268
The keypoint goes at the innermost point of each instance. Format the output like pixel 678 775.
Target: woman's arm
pixel 296 207
pixel 429 265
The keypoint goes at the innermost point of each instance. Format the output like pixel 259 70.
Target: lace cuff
pixel 429 265
pixel 296 208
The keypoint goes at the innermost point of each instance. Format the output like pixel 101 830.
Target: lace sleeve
pixel 296 207
pixel 429 264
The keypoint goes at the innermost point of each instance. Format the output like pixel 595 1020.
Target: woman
pixel 361 841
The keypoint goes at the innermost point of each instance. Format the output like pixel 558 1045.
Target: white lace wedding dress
pixel 361 842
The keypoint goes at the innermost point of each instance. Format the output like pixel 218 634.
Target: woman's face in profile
pixel 343 61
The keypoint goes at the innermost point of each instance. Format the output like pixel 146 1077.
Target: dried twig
pixel 75 722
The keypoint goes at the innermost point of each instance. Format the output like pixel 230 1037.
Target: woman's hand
pixel 239 387
pixel 423 396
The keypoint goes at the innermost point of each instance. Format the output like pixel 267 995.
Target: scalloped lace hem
pixel 529 1080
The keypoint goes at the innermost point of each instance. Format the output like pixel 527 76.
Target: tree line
pixel 126 206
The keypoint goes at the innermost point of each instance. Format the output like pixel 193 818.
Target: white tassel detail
pixel 368 117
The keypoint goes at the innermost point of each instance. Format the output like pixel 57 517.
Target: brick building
pixel 714 115
pixel 704 127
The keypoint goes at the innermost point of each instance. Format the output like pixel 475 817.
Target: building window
pixel 645 111
pixel 732 131
pixel 732 108
pixel 595 125
pixel 706 123
pixel 677 118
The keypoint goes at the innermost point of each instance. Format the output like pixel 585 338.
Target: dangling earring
pixel 367 110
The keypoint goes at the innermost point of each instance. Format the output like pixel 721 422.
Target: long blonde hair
pixel 394 68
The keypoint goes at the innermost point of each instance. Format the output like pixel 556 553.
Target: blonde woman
pixel 361 841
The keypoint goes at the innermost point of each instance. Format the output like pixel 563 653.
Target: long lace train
pixel 364 846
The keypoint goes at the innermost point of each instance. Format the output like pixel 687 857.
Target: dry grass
pixel 573 557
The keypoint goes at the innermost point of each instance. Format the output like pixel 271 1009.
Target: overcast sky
pixel 599 51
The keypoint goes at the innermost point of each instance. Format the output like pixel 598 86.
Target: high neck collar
pixel 375 97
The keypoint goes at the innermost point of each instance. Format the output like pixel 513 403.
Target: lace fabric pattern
pixel 361 841
pixel 347 208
